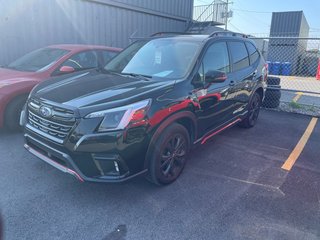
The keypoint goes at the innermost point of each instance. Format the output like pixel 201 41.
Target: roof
pixel 81 47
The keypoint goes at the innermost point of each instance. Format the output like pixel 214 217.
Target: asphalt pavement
pixel 308 87
pixel 233 187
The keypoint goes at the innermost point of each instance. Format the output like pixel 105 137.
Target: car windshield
pixel 168 58
pixel 38 60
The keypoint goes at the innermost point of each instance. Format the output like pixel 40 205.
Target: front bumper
pixel 82 151
pixel 109 157
pixel 53 163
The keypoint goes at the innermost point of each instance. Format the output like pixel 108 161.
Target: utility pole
pixel 226 16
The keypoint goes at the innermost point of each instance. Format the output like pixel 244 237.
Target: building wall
pixel 304 28
pixel 180 8
pixel 262 45
pixel 288 24
pixel 31 24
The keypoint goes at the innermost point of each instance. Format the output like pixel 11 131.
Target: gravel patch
pixel 298 108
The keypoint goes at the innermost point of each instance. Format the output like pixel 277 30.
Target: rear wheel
pixel 12 113
pixel 253 112
pixel 169 155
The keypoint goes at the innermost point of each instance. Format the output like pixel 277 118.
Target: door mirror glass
pixel 214 76
pixel 66 69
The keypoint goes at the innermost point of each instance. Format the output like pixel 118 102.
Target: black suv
pixel 143 112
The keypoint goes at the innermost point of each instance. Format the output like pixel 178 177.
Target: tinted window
pixel 107 56
pixel 239 55
pixel 38 60
pixel 253 52
pixel 217 58
pixel 83 60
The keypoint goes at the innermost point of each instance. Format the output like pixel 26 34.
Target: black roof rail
pixel 228 33
pixel 169 34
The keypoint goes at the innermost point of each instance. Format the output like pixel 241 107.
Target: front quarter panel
pixel 11 90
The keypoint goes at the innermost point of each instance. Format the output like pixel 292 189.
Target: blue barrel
pixel 276 68
pixel 270 65
pixel 286 68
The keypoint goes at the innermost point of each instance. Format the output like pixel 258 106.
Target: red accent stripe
pixel 68 170
pixel 75 174
pixel 220 130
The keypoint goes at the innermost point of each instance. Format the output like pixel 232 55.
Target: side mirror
pixel 215 77
pixel 66 69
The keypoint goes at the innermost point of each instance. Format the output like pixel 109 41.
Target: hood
pixel 93 88
pixel 10 75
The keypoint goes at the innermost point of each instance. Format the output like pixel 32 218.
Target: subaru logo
pixel 45 111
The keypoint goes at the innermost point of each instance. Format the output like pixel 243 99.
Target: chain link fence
pixel 294 77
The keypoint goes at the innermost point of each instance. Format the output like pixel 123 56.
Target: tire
pixel 272 98
pixel 272 94
pixel 274 88
pixel 12 113
pixel 253 112
pixel 168 155
pixel 271 104
pixel 273 81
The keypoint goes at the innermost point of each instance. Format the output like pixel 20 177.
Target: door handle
pixel 232 83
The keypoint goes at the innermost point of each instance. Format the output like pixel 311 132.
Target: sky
pixel 254 16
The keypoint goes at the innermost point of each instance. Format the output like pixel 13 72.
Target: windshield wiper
pixel 136 75
pixel 141 76
pixel 105 71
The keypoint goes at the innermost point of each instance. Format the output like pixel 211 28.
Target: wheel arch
pixel 260 91
pixel 8 103
pixel 185 118
pixel 11 93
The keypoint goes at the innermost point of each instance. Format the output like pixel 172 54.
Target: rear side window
pixel 253 52
pixel 239 54
pixel 217 58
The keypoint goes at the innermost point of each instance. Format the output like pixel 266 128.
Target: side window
pixel 83 60
pixel 240 58
pixel 107 56
pixel 253 52
pixel 217 58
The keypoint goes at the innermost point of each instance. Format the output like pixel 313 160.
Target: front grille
pixel 58 124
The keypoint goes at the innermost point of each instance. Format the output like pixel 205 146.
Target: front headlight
pixel 119 118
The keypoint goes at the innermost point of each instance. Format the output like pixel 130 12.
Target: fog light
pixel 116 166
pixel 110 165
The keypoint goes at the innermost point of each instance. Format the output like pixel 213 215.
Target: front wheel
pixel 253 112
pixel 169 155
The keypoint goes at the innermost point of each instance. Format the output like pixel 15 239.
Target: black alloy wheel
pixel 253 112
pixel 169 155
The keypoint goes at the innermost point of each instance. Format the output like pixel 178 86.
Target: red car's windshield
pixel 38 60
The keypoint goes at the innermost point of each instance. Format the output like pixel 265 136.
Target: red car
pixel 18 78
